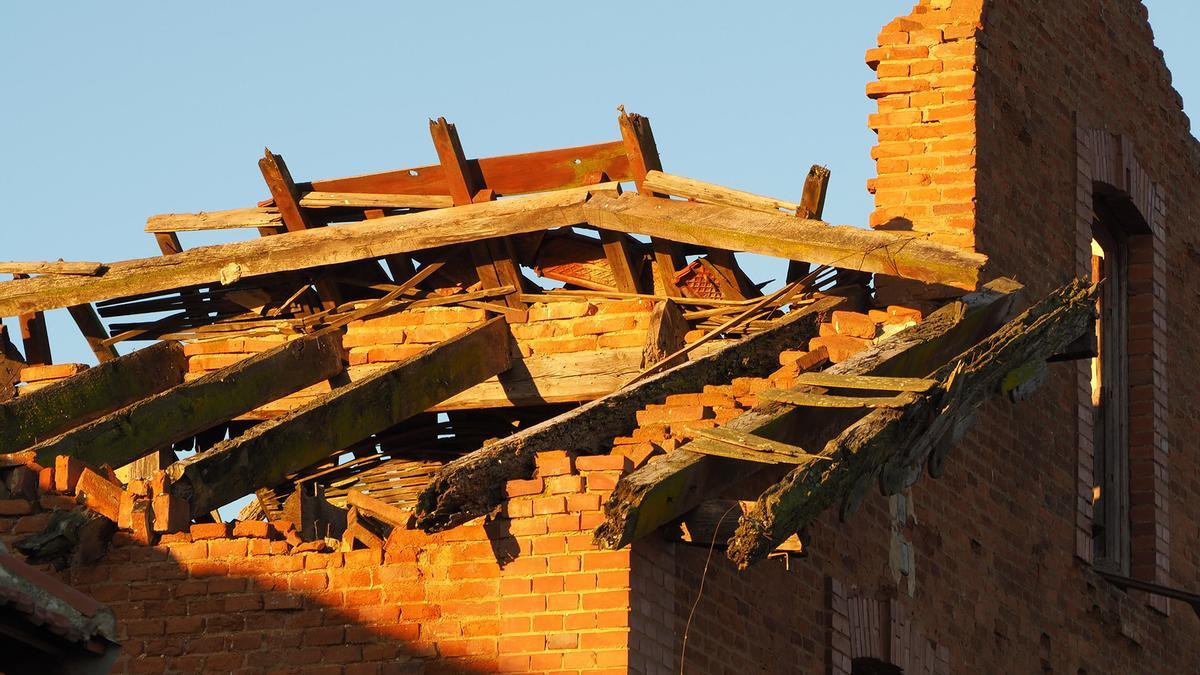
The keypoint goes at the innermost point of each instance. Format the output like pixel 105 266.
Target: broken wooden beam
pixel 268 453
pixel 812 205
pixel 297 250
pixel 813 400
pixel 93 330
pixel 86 269
pixel 782 236
pixel 673 484
pixel 710 193
pixel 723 442
pixel 713 521
pixel 866 382
pixel 255 217
pixel 189 408
pixel 891 446
pixel 473 485
pixel 97 391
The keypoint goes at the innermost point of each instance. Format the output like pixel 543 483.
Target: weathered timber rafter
pixel 96 391
pixel 671 485
pixel 474 484
pixel 298 250
pixel 891 446
pixel 782 236
pixel 268 453
pixel 189 408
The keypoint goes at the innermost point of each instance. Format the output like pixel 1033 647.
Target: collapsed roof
pixel 321 398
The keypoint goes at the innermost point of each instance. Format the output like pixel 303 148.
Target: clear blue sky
pixel 115 111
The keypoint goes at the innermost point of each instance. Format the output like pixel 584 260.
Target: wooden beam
pixel 97 391
pixel 35 339
pixel 493 258
pixel 891 446
pixel 298 250
pixel 812 205
pixel 813 400
pixel 671 485
pixel 374 201
pixel 507 174
pixel 643 158
pixel 215 220
pixel 93 331
pixel 268 453
pixel 713 522
pixel 710 193
pixel 865 382
pixel 665 334
pixel 474 484
pixel 86 269
pixel 189 408
pixel 392 515
pixel 882 252
pixel 11 363
pixel 727 443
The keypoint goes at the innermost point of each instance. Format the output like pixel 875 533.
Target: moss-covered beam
pixel 66 404
pixel 672 485
pixel 267 454
pixel 187 409
pixel 474 484
pixel 891 446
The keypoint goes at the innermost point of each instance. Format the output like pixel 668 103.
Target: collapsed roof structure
pixel 412 353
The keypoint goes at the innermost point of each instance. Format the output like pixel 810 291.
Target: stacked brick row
pixel 847 333
pixel 925 94
pixel 38 377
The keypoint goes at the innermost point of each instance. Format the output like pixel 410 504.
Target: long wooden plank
pixel 96 391
pixel 711 193
pixel 214 220
pixel 374 201
pixel 474 484
pixel 268 453
pixel 727 443
pixel 298 250
pixel 670 486
pixel 86 269
pixel 893 446
pixel 813 400
pixel 788 237
pixel 506 174
pixel 189 408
pixel 865 382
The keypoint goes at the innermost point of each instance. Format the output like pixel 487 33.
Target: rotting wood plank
pixel 842 246
pixel 474 484
pixel 268 453
pixel 392 515
pixel 671 485
pixel 93 330
pixel 189 408
pixel 215 220
pixel 86 269
pixel 813 400
pixel 374 201
pixel 865 382
pixel 665 334
pixel 713 521
pixel 298 250
pixel 812 205
pixel 97 391
pixel 728 443
pixel 892 446
pixel 642 150
pixel 710 193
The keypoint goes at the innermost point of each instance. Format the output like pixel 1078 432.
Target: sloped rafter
pixel 891 446
pixel 270 452
pixel 189 408
pixel 671 485
pixel 76 400
pixel 474 484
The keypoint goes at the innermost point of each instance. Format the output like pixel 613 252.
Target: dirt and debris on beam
pixel 669 487
pixel 891 446
pixel 474 484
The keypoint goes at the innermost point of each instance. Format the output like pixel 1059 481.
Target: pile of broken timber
pixel 487 234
